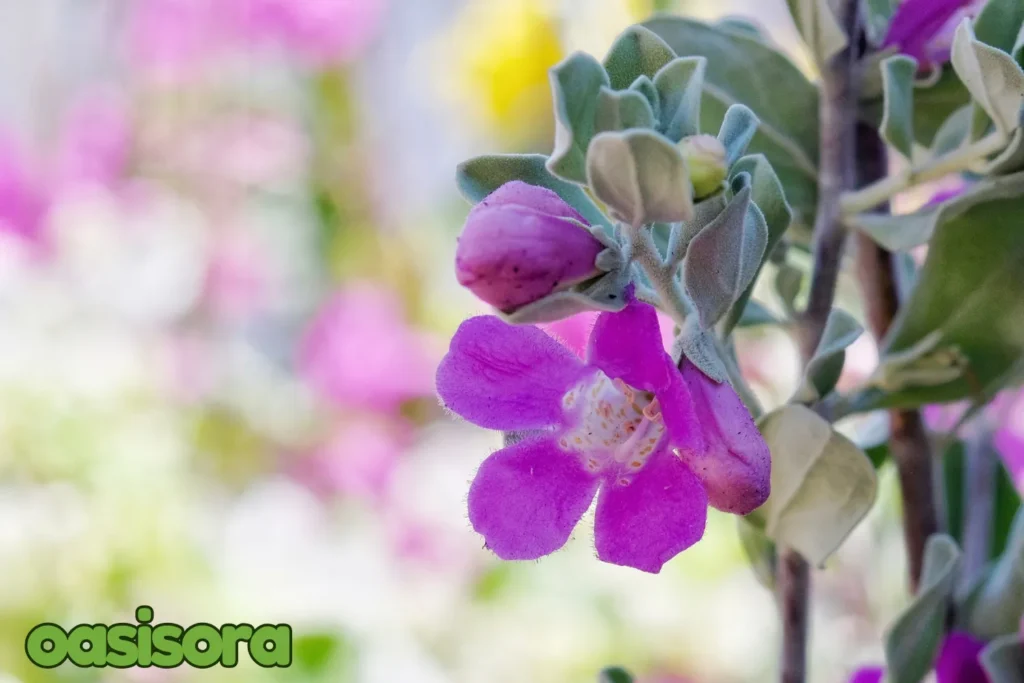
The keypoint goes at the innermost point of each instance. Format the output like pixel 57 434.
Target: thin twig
pixel 908 441
pixel 837 121
pixel 882 190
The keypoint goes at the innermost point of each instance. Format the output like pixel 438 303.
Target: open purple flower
pixel 923 29
pixel 610 426
pixel 957 663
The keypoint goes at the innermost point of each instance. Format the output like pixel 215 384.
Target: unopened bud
pixel 705 161
pixel 521 243
pixel 735 464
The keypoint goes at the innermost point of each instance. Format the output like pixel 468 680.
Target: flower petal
pixel 527 498
pixel 735 464
pixel 647 522
pixel 627 345
pixel 958 660
pixel 680 415
pixel 869 674
pixel 505 376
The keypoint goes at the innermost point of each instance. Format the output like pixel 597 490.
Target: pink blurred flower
pixel 23 198
pixel 1004 415
pixel 94 144
pixel 243 150
pixel 957 662
pixel 170 38
pixel 358 459
pixel 173 38
pixel 319 32
pixel 359 351
pixel 1009 440
pixel 236 278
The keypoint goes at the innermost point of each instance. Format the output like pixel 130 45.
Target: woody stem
pixel 838 115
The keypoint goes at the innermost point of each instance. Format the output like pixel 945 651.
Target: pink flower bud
pixel 736 464
pixel 520 244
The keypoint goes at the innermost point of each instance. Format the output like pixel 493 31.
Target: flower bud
pixel 521 243
pixel 736 463
pixel 705 161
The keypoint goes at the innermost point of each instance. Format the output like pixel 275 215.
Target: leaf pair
pixel 641 85
pixel 822 485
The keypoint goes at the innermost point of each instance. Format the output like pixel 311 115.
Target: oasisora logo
pixel 162 645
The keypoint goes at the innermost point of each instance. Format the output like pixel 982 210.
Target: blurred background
pixel 227 231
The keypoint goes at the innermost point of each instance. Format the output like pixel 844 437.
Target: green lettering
pixel 87 645
pixel 46 645
pixel 271 645
pixel 207 636
pixel 167 646
pixel 144 639
pixel 231 636
pixel 122 652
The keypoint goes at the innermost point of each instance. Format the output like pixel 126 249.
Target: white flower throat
pixel 613 427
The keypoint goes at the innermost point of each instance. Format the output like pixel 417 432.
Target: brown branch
pixel 793 584
pixel 908 441
pixel 837 121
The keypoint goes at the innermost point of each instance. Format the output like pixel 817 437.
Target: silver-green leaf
pixel 822 483
pixel 622 110
pixel 742 69
pixel 826 365
pixel 576 85
pixel 738 129
pixel 913 640
pixel 767 194
pixel 961 332
pixel 819 27
pixel 998 607
pixel 679 84
pixel 480 176
pixel 994 80
pixel 1003 659
pixel 640 176
pixel 897 127
pixel 636 52
pixel 724 257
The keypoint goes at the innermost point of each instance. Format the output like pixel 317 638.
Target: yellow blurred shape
pixel 497 56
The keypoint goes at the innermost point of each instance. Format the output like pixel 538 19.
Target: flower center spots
pixel 615 427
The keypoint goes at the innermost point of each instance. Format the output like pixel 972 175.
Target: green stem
pixel 662 277
pixel 885 189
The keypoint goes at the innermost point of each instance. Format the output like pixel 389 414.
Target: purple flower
pixel 358 459
pixel 359 351
pixel 174 38
pixel 95 142
pixel 319 32
pixel 957 662
pixel 735 464
pixel 521 243
pixel 923 29
pixel 23 199
pixel 608 426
